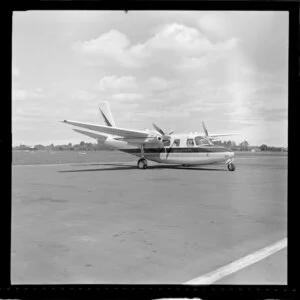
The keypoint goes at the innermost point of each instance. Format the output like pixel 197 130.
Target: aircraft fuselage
pixel 193 155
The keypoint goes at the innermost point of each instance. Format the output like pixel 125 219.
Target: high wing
pixel 135 137
pixel 222 134
pixel 92 134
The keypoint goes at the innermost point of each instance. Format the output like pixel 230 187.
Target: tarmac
pixel 113 223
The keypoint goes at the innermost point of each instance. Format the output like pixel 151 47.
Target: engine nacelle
pixel 153 139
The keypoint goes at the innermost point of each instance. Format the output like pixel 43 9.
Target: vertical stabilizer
pixel 107 116
pixel 204 129
pixel 111 119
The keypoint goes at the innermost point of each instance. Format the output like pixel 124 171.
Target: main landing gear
pixel 142 162
pixel 231 166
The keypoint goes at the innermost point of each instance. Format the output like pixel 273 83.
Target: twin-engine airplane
pixel 184 149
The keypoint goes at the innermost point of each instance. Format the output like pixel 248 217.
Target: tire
pixel 231 167
pixel 142 163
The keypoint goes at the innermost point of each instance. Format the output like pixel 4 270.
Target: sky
pixel 172 68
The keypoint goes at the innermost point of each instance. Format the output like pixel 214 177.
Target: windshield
pixel 201 141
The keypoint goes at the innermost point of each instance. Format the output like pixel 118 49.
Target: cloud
pixel 82 95
pixel 215 25
pixel 108 83
pixel 168 45
pixel 19 94
pixel 112 46
pixel 179 38
pixel 159 84
pixel 185 43
pixel 273 114
pixel 196 63
pixel 271 89
pixel 124 97
pixel 128 87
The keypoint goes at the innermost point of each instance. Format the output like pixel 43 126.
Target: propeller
pixel 159 130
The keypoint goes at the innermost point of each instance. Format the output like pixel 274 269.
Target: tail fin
pixel 204 129
pixel 108 119
pixel 105 118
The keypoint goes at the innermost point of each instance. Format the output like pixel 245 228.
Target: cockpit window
pixel 201 141
pixel 190 142
pixel 177 142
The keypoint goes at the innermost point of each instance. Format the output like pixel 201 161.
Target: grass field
pixel 63 157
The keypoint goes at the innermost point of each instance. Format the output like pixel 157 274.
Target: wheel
pixel 231 167
pixel 142 163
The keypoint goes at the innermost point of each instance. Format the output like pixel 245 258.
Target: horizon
pixel 95 142
pixel 171 68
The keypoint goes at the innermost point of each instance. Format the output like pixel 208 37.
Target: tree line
pixel 245 146
pixel 83 146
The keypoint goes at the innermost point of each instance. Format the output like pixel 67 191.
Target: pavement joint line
pixel 239 264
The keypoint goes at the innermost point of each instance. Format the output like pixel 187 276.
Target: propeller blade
pixel 158 129
pixel 168 153
pixel 171 132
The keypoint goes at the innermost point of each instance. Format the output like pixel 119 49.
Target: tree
pixel 244 145
pixel 263 147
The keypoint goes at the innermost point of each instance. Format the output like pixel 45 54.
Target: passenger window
pixel 190 142
pixel 177 142
pixel 166 143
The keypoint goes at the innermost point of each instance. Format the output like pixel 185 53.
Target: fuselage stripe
pixel 177 150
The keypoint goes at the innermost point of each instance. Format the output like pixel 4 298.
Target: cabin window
pixel 166 143
pixel 201 141
pixel 190 142
pixel 177 142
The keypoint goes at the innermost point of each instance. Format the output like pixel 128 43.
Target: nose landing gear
pixel 142 162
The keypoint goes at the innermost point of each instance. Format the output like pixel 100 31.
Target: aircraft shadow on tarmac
pixel 118 167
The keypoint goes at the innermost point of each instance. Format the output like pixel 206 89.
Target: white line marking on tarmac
pixel 239 264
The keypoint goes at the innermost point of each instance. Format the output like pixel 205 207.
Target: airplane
pixel 187 149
